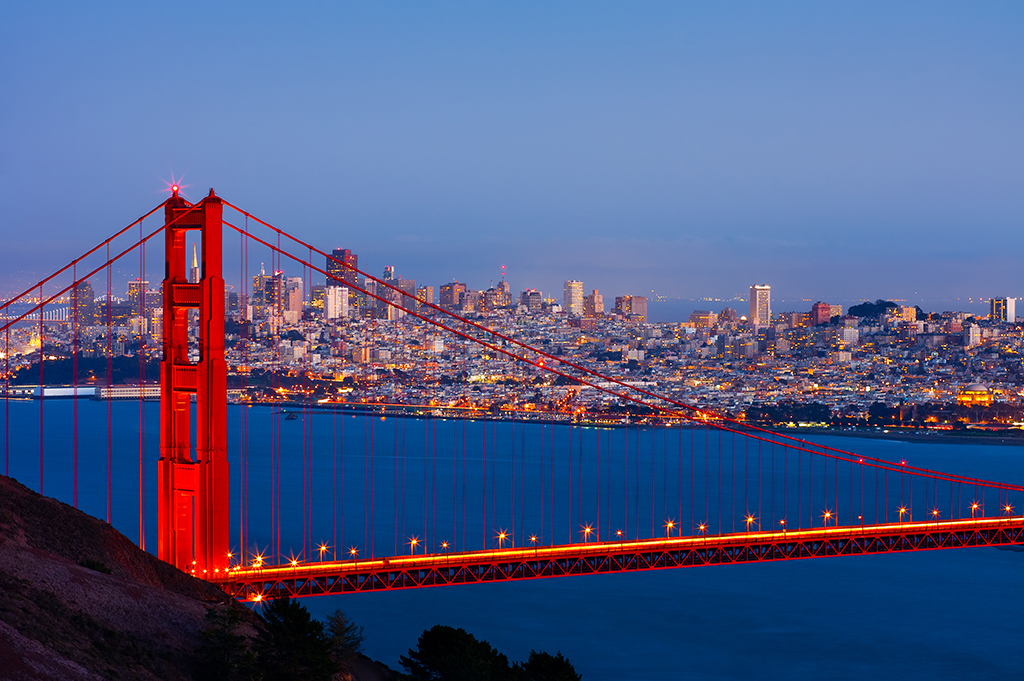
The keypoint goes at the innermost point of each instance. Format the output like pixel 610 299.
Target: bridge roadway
pixel 472 567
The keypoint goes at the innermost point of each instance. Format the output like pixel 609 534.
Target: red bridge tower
pixel 193 492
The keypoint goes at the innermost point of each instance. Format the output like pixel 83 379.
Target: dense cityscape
pixel 363 342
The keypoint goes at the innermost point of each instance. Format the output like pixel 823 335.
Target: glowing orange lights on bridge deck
pixel 258 583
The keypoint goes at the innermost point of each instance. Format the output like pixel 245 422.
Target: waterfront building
pixel 974 394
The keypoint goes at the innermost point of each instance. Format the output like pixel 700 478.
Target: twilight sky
pixel 834 151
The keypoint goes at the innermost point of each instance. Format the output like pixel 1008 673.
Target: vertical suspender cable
pixel 110 371
pixel 74 380
pixel 42 390
pixel 142 390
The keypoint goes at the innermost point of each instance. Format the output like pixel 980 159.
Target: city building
pixel 971 335
pixel 572 298
pixel 335 302
pixel 703 319
pixel 632 307
pixel 83 299
pixel 1003 309
pixel 342 270
pixel 194 273
pixel 760 305
pixel 425 294
pixel 451 296
pixel 532 300
pixel 593 305
pixel 821 313
pixel 974 394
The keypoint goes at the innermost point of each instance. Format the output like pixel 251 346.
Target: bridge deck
pixel 405 572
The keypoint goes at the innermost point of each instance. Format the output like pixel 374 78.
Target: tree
pixel 446 654
pixel 545 667
pixel 223 654
pixel 346 638
pixel 292 645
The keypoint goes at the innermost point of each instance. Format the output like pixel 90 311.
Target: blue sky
pixel 833 151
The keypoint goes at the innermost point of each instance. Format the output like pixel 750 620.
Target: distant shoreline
pixel 938 437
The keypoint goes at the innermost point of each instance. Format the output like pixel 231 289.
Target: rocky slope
pixel 78 600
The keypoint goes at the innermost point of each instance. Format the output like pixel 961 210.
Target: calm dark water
pixel 947 614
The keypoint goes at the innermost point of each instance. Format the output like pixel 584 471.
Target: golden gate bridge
pixel 546 500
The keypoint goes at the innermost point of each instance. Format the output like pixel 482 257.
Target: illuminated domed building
pixel 974 394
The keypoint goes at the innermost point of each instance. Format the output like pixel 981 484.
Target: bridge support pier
pixel 193 492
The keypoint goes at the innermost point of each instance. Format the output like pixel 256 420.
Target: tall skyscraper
pixel 83 298
pixel 342 269
pixel 194 275
pixel 425 294
pixel 1003 309
pixel 760 305
pixel 572 298
pixel 593 305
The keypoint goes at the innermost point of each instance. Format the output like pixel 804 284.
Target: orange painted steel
pixel 193 491
pixel 497 565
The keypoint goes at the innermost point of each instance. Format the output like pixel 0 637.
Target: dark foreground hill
pixel 78 600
